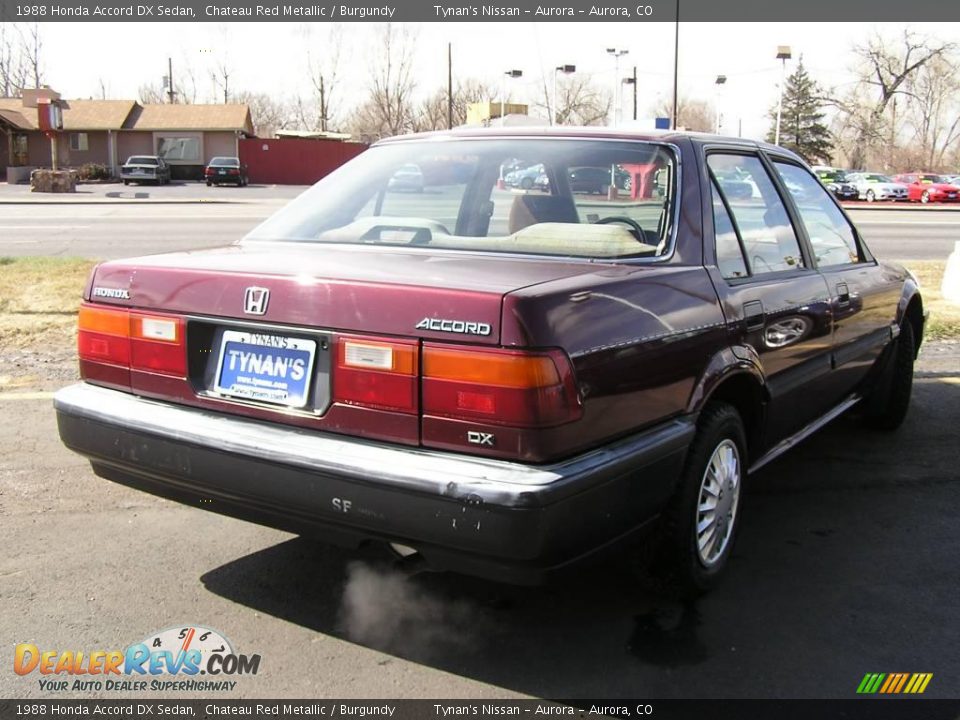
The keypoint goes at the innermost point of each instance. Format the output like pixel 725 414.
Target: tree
pixel 801 126
pixel 21 58
pixel 268 114
pixel 389 108
pixel 692 113
pixel 933 111
pixel 579 101
pixel 885 70
pixel 323 66
pixel 432 113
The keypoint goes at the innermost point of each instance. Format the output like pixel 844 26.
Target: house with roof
pixel 107 132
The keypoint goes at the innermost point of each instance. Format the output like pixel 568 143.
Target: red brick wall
pixel 294 161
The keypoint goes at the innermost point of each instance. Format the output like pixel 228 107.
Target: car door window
pixel 756 208
pixel 831 236
pixel 730 258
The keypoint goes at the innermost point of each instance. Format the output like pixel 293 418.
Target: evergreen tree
pixel 801 122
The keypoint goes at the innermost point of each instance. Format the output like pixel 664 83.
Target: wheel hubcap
pixel 717 505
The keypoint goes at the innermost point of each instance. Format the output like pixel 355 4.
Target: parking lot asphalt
pixel 846 564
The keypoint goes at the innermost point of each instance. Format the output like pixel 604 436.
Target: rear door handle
pixel 754 315
pixel 843 295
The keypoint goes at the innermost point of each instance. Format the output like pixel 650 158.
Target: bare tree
pixel 692 113
pixel 323 66
pixel 934 113
pixel 21 58
pixel 389 108
pixel 432 113
pixel 579 101
pixel 268 114
pixel 886 69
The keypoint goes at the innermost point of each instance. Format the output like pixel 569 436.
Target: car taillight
pixel 502 387
pixel 208 171
pixel 134 340
pixel 376 373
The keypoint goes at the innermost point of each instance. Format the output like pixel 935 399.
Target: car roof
pixel 574 132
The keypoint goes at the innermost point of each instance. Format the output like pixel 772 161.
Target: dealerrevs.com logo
pixel 191 658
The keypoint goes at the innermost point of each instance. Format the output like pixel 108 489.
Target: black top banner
pixel 640 11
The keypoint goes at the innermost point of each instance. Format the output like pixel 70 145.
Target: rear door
pixel 863 299
pixel 772 298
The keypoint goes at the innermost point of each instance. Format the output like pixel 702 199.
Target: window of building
pixel 179 149
pixel 79 142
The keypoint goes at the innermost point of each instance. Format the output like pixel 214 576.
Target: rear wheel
pixel 870 196
pixel 526 183
pixel 925 198
pixel 886 406
pixel 700 523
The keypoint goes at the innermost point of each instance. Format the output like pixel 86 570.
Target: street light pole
pixel 783 54
pixel 633 81
pixel 566 70
pixel 503 88
pixel 676 68
pixel 616 54
pixel 721 79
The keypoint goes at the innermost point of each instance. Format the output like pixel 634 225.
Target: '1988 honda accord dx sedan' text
pixel 501 380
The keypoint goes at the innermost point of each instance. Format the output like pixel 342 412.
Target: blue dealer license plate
pixel 265 368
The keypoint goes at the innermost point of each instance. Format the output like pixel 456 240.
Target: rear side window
pixel 758 212
pixel 831 236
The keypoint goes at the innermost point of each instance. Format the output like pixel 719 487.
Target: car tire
pixel 690 562
pixel 885 408
pixel 870 196
pixel 209 184
pixel 526 183
pixel 925 197
pixel 126 182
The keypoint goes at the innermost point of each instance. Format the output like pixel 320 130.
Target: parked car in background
pixel 226 170
pixel 929 187
pixel 145 168
pixel 836 182
pixel 876 186
pixel 408 178
pixel 524 178
pixel 589 180
pixel 500 384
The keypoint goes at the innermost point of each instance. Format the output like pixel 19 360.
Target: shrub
pixel 94 171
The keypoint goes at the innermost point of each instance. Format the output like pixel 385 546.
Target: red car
pixel 499 382
pixel 928 187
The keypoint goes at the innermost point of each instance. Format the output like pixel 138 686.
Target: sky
pixel 271 57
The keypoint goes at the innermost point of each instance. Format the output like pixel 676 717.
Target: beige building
pixel 107 132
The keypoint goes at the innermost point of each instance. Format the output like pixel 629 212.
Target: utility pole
pixel 323 106
pixel 449 86
pixel 170 92
pixel 676 68
pixel 634 83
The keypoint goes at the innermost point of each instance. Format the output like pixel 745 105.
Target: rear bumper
pixel 490 518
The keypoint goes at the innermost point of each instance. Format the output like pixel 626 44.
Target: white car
pixel 875 186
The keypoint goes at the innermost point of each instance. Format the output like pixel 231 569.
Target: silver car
pixel 875 186
pixel 145 168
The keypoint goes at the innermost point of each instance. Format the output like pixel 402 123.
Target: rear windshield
pixel 225 162
pixel 139 160
pixel 575 198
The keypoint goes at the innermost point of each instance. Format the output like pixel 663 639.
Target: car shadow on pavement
pixel 845 562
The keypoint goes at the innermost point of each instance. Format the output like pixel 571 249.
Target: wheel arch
pixel 734 376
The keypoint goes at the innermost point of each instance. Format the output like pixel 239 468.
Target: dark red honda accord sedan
pixel 501 380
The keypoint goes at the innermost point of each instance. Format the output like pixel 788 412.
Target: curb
pixel 122 201
pixel 896 206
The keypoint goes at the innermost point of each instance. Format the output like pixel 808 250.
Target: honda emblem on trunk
pixel 255 300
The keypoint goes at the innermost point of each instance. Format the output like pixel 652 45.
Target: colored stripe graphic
pixel 894 683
